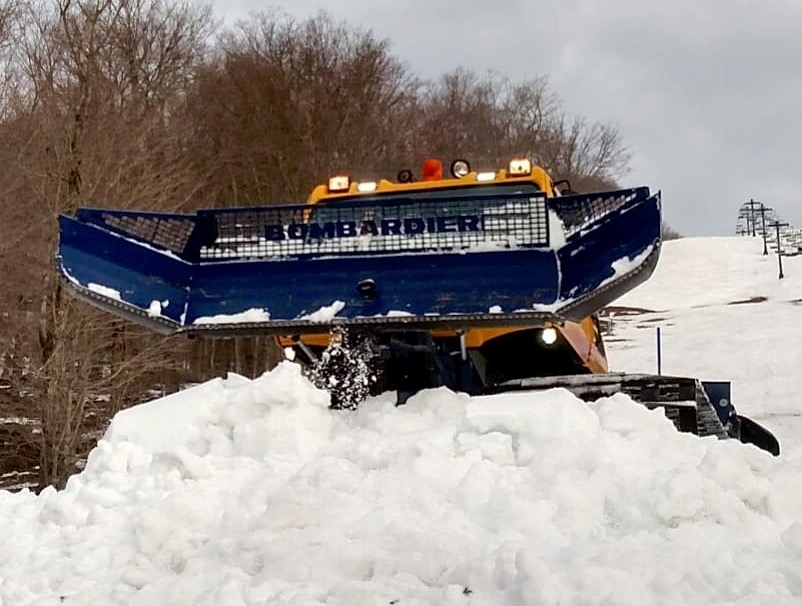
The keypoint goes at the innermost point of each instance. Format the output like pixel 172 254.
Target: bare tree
pixel 284 104
pixel 491 119
pixel 100 124
pixel 459 117
pixel 580 151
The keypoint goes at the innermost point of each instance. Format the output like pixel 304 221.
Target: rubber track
pixel 684 399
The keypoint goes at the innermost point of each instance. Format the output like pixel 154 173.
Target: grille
pixel 577 212
pixel 467 225
pixel 171 233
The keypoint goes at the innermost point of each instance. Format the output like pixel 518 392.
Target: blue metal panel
pixel 457 254
pixel 416 284
pixel 629 231
pixel 90 256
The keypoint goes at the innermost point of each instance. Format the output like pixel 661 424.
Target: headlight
pixel 549 336
pixel 488 176
pixel 366 186
pixel 339 183
pixel 520 167
pixel 460 168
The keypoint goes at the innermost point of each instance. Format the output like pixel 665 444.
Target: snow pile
pixel 253 492
pixel 240 492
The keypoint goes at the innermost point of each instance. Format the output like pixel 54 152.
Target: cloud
pixel 718 122
pixel 707 94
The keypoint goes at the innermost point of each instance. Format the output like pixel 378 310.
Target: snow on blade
pixel 253 492
pixel 105 291
pixel 620 267
pixel 249 315
pixel 325 313
pixel 625 265
pixel 556 231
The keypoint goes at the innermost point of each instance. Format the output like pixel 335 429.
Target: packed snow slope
pixel 723 314
pixel 241 492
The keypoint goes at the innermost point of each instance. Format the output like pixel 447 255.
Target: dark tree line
pixel 147 104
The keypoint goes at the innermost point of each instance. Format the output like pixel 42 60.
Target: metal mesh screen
pixel 171 233
pixel 577 212
pixel 466 225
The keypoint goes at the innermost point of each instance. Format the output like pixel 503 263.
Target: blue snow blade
pixel 452 258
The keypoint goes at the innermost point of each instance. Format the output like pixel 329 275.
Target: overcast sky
pixel 707 93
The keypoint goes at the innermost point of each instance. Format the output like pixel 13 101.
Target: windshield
pixel 440 193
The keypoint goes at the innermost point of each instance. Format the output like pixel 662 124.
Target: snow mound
pixel 243 492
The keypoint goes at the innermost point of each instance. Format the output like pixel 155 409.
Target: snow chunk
pixel 155 308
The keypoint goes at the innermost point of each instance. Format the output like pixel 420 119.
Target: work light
pixel 339 183
pixel 520 167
